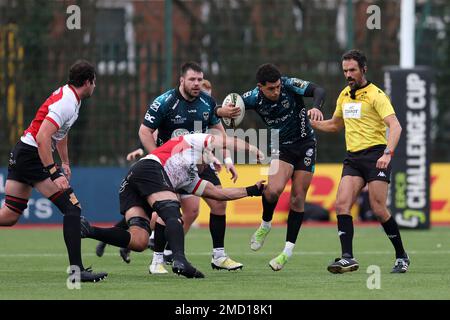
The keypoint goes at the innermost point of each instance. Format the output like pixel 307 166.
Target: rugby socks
pixel 71 233
pixel 391 229
pixel 175 235
pixel 122 224
pixel 217 226
pixel 218 253
pixel 158 258
pixel 294 223
pixel 113 236
pixel 345 232
pixel 268 209
pixel 160 238
pixel 288 248
pixel 266 225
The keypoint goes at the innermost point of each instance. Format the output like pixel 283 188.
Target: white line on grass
pixel 304 253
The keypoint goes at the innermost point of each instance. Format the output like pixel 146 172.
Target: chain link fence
pixel 230 39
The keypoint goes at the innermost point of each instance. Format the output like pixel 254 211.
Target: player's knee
pixel 168 210
pixel 297 201
pixel 140 223
pixel 139 240
pixel 140 231
pixel 66 202
pixel 380 211
pixel 342 206
pixel 7 217
pixel 15 204
pixel 219 207
pixel 191 214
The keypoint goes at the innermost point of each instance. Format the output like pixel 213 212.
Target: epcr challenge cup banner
pixel 411 91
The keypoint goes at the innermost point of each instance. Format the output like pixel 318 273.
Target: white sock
pixel 167 252
pixel 218 252
pixel 266 225
pixel 288 247
pixel 158 257
pixel 152 236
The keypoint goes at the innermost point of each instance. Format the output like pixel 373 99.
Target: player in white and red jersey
pixel 152 184
pixel 31 163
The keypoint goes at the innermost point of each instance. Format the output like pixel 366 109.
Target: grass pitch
pixel 33 264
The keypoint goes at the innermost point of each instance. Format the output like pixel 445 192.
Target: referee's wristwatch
pixel 389 152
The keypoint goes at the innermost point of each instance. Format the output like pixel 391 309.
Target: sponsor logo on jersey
pixel 149 117
pixel 192 111
pixel 299 83
pixel 123 185
pixel 285 103
pixel 309 152
pixel 352 110
pixel 155 106
pixel 179 132
pixel 178 119
pixel 182 132
pixel 247 94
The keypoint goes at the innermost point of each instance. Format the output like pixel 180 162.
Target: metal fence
pixel 229 38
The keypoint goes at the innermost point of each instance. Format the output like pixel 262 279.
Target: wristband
pixel 228 160
pixel 254 191
pixel 53 171
pixel 389 152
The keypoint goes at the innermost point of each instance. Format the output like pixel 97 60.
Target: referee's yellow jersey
pixel 363 116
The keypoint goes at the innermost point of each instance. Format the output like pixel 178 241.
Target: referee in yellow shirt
pixel 365 111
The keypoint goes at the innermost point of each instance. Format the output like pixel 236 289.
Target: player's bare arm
pixel 228 111
pixel 236 144
pixel 395 131
pixel 146 136
pixel 226 194
pixel 335 124
pixel 63 152
pixel 44 141
pixel 226 153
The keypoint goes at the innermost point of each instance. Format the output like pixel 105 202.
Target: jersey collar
pixel 75 93
pixel 353 92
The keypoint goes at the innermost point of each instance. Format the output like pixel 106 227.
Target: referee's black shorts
pixel 25 165
pixel 363 164
pixel 144 178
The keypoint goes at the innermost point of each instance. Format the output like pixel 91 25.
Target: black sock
pixel 217 226
pixel 175 236
pixel 268 209
pixel 122 224
pixel 345 231
pixel 294 223
pixel 72 238
pixel 391 229
pixel 160 238
pixel 113 236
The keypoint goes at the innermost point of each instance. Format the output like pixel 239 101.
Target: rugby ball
pixel 235 99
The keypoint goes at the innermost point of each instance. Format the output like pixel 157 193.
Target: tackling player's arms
pixel 146 137
pixel 213 192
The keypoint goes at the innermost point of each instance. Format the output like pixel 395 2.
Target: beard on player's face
pixel 192 91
